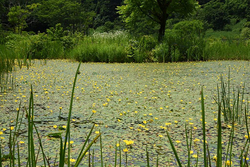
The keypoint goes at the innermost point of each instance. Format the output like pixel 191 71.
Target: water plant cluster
pixel 110 118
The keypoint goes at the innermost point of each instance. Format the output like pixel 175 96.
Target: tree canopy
pixel 156 11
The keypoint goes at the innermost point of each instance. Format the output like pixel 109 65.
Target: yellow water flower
pixel 97 132
pixel 93 111
pixel 72 160
pixel 125 150
pixel 229 163
pixel 12 127
pixel 21 142
pixel 215 158
pixel 117 145
pixel 196 140
pixel 144 122
pixel 160 136
pixel 195 156
pixel 1 132
pixel 167 124
pixel 55 126
pixel 129 142
pixel 60 108
pixel 178 141
pixel 71 142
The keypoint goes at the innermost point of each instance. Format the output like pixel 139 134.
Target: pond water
pixel 137 102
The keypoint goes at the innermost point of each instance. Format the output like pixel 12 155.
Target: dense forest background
pixel 164 30
pixel 102 15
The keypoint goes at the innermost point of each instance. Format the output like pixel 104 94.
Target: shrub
pixel 185 42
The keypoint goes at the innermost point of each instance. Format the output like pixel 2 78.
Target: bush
pixel 245 32
pixel 185 42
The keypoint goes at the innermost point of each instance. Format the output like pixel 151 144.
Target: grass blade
pixel 67 136
pixel 203 128
pixel 86 150
pixel 173 148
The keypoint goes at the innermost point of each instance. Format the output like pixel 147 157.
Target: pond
pixel 137 102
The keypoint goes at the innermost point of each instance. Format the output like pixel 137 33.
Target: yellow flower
pixel 195 156
pixel 72 160
pixel 64 126
pixel 55 126
pixel 60 108
pixel 228 162
pixel 167 124
pixel 196 140
pixel 71 142
pixel 97 132
pixel 160 136
pixel 161 108
pixel 125 150
pixel 178 141
pixel 176 122
pixel 117 145
pixel 2 138
pixel 144 122
pixel 93 111
pixel 4 129
pixel 21 142
pixel 12 127
pixel 1 132
pixel 191 151
pixel 73 120
pixel 129 142
pixel 215 158
pixel 156 118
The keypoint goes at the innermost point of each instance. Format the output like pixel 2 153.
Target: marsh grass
pixel 229 151
pixel 227 49
pixel 231 101
pixel 102 47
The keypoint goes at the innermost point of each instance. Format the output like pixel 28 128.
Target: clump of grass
pixel 231 101
pixel 227 49
pixel 206 154
pixel 102 47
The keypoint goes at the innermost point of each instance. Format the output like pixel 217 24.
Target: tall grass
pixel 7 62
pixel 227 49
pixel 229 151
pixel 102 47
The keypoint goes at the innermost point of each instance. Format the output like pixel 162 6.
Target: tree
pixel 17 16
pixel 216 15
pixel 69 13
pixel 156 10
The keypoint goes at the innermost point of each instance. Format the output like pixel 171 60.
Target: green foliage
pixel 215 14
pixel 69 13
pixel 17 17
pixel 156 11
pixel 185 42
pixel 101 47
pixel 141 51
pixel 245 32
pixel 227 49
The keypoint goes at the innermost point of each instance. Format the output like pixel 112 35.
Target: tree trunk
pixel 162 31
